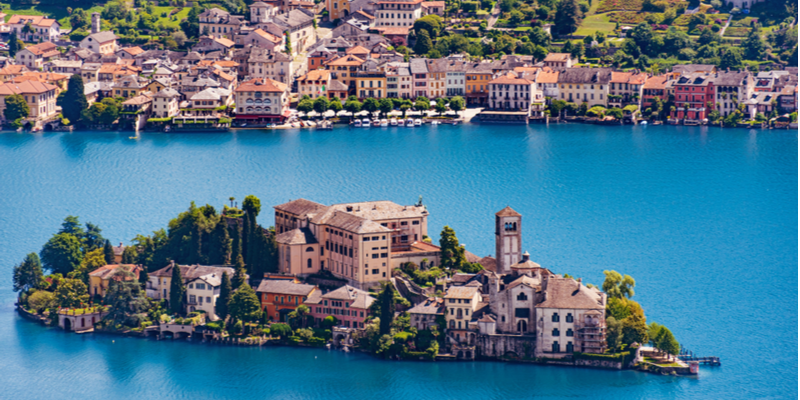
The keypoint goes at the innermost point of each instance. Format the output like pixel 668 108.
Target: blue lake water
pixel 704 219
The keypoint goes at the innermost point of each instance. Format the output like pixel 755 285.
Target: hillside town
pixel 362 276
pixel 294 63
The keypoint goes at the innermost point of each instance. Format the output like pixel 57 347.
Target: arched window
pixel 309 263
pixel 555 317
pixel 452 324
pixel 258 109
pixel 309 249
pixel 569 317
pixel 249 101
pixel 522 326
pixel 522 297
pixel 258 101
pixel 267 109
pixel 267 101
pixel 570 333
pixel 556 332
pixel 556 347
pixel 249 109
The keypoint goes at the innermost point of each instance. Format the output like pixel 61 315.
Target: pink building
pixel 347 304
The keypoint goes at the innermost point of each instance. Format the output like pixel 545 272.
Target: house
pixel 273 65
pixel 98 90
pixel 729 88
pixel 280 297
pixel 314 83
pixel 67 67
pixel 158 284
pixel 261 13
pixel 370 84
pixel 41 28
pixel 433 7
pixel 264 40
pixel 129 53
pixel 220 23
pixel 694 96
pixel 547 82
pixel 100 278
pixel 511 93
pixel 680 69
pixel 208 101
pixel 398 80
pixel 166 103
pixel 461 302
pixel 584 85
pixel 349 305
pixel 40 96
pixel 211 43
pixel 559 60
pixel 113 72
pixel 118 250
pixel 478 76
pixel 352 241
pixel 654 87
pixel 456 78
pixel 129 86
pixel 437 77
pixel 299 27
pixel 625 88
pixel 397 13
pixel 343 68
pixel 58 80
pixel 101 42
pixel 262 101
pixel 202 292
pixel 572 318
pixel 35 56
pixel 424 315
pixel 12 71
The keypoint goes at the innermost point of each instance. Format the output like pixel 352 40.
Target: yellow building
pixel 437 78
pixel 343 68
pixel 100 278
pixel 337 9
pixel 40 96
pixel 370 84
pixel 315 83
pixel 461 302
pixel 477 86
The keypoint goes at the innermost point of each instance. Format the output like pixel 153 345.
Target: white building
pixel 166 103
pixel 400 13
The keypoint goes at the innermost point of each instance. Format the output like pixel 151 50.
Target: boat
pixel 243 125
pixel 384 122
pixel 376 122
pixel 401 122
pixel 357 123
pixel 417 122
pixel 365 123
pixel 410 123
pixel 643 123
pixel 393 122
pixel 167 129
pixel 434 122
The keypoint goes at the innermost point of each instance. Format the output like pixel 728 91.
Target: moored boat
pixel 384 122
pixel 357 123
pixel 410 123
pixel 417 122
pixel 393 122
pixel 365 123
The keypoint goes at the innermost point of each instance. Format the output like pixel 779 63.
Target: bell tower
pixel 508 239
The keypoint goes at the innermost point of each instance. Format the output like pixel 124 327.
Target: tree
pixel 73 109
pixel 666 342
pixel 613 333
pixel 16 108
pixel 125 300
pixel 731 58
pixel 13 44
pixel 244 304
pixel 90 262
pixel 386 303
pixel 615 285
pixel 352 106
pixel 108 252
pixel 299 316
pixel 441 105
pixel 507 5
pixel 634 330
pixel 386 105
pixel 239 276
pixel 225 289
pixel 457 104
pixel 130 255
pixel 642 34
pixel 92 237
pixel 179 38
pixel 321 104
pixel 614 112
pixel 221 244
pixel 281 330
pixel 431 23
pixel 62 253
pixel 288 44
pixel 41 300
pixel 422 104
pixel 753 45
pixel 28 274
pixel 335 106
pixel 568 17
pixel 71 293
pixel 424 43
pixel 371 105
pixel 305 106
pixel 177 292
pixel 653 331
pixel 577 51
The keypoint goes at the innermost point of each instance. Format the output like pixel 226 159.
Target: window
pixel 570 333
pixel 522 297
pixel 555 317
pixel 556 347
pixel 556 332
pixel 522 312
pixel 569 317
pixel 374 271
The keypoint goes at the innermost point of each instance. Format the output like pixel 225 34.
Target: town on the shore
pixel 362 276
pixel 292 63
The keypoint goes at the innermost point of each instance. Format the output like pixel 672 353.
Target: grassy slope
pixel 168 20
pixel 57 12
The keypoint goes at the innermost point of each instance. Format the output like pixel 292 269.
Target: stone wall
pixel 506 346
pixel 598 364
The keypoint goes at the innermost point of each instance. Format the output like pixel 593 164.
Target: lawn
pixel 57 12
pixel 595 23
pixel 169 21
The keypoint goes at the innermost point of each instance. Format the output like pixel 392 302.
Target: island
pixel 362 276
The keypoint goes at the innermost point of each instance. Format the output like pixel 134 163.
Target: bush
pixel 315 341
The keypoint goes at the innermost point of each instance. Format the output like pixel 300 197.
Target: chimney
pixel 526 257
pixel 95 22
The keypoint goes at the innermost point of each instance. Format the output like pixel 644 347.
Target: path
pixel 494 16
pixel 727 24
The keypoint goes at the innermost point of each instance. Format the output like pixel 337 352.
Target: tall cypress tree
pixel 13 44
pixel 568 17
pixel 76 103
pixel 176 291
pixel 221 307
pixel 108 251
pixel 240 276
pixel 220 249
pixel 236 250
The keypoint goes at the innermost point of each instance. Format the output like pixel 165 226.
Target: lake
pixel 704 219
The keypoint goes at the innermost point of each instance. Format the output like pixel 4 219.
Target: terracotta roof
pixel 461 292
pixel 382 209
pixel 25 87
pixel 106 271
pixel 361 299
pixel 656 82
pixel 316 75
pixel 13 69
pixel 296 236
pixel 42 48
pixel 133 50
pixel 567 293
pixel 433 4
pixel 510 79
pixel 489 263
pixel 362 13
pixel 553 57
pixel 547 77
pixel 394 30
pixel 300 207
pixel 284 286
pixel 508 212
pixel 357 50
pixel 35 20
pixel 431 306
pixel 103 37
pixel 266 35
pixel 347 61
pixel 262 85
pixel 348 222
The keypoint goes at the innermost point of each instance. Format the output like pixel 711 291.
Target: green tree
pixel 507 5
pixel 568 17
pixel 108 252
pixel 29 274
pixel 577 51
pixel 127 304
pixel 452 254
pixel 244 304
pixel 424 43
pixel 73 109
pixel 634 330
pixel 299 316
pixel 666 342
pixel 130 255
pixel 221 246
pixel 335 106
pixel 177 293
pixel 321 104
pixel 72 293
pixel 225 290
pixel 386 105
pixel 41 300
pixel 653 331
pixel 16 108
pixel 615 285
pixel 730 58
pixel 352 106
pixel 13 44
pixel 281 330
pixel 305 106
pixel 386 301
pixel 754 46
pixel 431 23
pixel 441 105
pixel 240 274
pixel 457 104
pixel 371 105
pixel 90 262
pixel 62 253
pixel 422 103
pixel 613 333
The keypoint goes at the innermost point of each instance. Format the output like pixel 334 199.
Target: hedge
pixel 315 341
pixel 624 357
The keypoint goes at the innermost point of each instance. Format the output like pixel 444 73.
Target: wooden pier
pixel 688 356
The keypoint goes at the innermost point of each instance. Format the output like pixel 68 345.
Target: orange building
pixel 280 297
